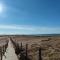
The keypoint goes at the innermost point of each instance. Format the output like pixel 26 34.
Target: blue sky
pixel 30 16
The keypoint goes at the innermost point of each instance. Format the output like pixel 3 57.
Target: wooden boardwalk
pixel 10 53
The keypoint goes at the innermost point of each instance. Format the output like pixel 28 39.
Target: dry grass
pixel 50 45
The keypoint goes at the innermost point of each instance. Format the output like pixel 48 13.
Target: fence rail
pixel 19 50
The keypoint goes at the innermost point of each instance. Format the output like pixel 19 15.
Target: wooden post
pixel 26 51
pixel 1 53
pixel 21 46
pixel 3 49
pixel 40 58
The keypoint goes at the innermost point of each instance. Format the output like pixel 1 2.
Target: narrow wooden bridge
pixel 10 52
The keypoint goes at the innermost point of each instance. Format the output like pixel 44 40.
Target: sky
pixel 29 16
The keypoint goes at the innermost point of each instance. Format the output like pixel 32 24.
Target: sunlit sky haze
pixel 29 16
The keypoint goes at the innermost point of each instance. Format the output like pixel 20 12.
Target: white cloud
pixel 18 27
pixel 24 29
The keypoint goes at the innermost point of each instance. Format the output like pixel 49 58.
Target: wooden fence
pixel 19 50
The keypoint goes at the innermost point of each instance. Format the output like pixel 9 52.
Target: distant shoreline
pixel 30 35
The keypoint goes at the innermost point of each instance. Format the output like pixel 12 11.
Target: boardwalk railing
pixel 23 52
